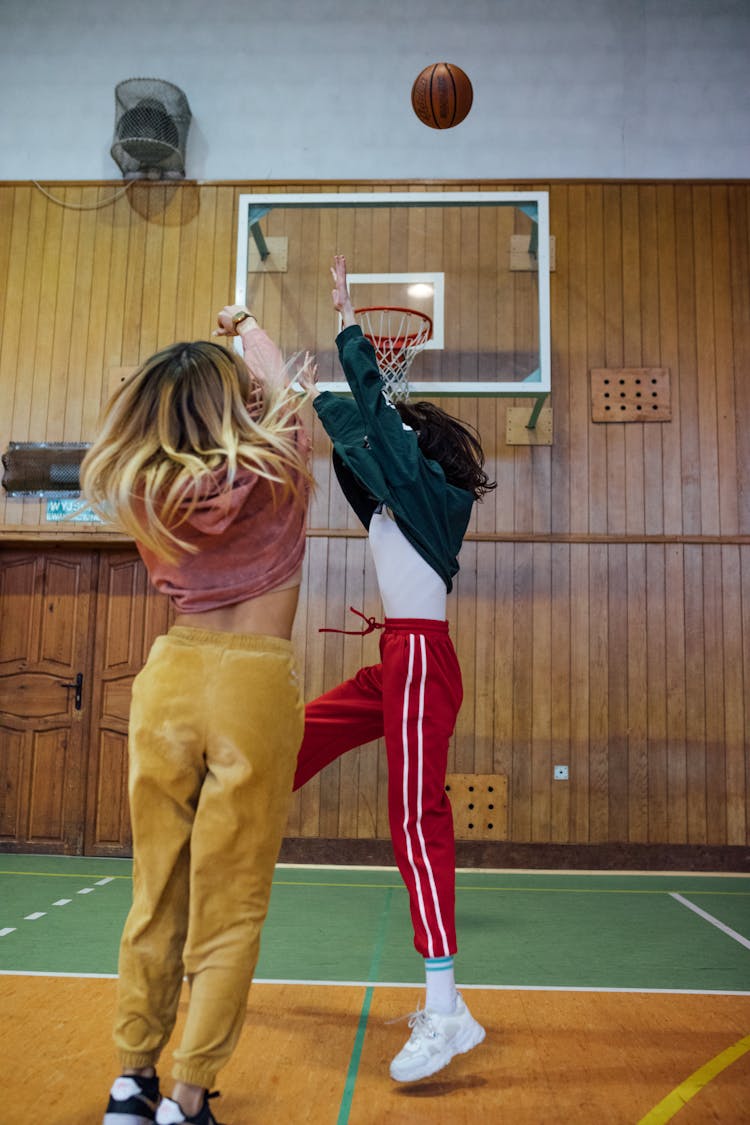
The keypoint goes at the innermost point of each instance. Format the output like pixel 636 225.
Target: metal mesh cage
pixel 43 468
pixel 152 118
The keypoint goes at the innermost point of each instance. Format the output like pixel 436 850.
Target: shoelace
pixel 419 1020
pixel 214 1094
pixel 372 624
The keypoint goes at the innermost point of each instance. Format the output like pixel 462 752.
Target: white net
pixel 396 335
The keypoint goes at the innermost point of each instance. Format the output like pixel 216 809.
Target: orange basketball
pixel 441 95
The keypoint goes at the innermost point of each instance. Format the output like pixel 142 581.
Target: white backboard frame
pixel 536 387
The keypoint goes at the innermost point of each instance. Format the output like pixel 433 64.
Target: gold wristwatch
pixel 238 318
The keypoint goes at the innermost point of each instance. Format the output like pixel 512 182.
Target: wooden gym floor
pixel 606 998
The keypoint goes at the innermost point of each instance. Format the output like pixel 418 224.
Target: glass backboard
pixel 476 262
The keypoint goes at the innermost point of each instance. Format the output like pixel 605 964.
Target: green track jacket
pixel 378 461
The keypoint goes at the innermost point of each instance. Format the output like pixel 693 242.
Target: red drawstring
pixel 372 625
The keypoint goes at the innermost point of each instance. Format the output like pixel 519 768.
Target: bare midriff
pixel 270 614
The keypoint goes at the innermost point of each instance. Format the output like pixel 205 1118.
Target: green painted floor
pixel 516 929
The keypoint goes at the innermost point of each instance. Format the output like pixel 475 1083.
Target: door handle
pixel 78 685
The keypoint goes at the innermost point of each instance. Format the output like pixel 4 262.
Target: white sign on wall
pixel 71 509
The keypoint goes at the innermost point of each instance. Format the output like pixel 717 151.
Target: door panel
pixel 45 626
pixel 129 616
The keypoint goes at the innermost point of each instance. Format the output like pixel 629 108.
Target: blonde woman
pixel 203 460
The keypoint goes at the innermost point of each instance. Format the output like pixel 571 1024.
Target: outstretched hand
pixel 307 376
pixel 342 302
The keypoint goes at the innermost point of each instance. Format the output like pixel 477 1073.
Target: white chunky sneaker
pixel 434 1040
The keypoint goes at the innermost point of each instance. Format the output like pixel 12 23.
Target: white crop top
pixel 409 587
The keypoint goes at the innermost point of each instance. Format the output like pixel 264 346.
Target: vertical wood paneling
pixel 560 702
pixel 650 337
pixel 695 701
pixel 637 692
pixel 735 694
pixel 598 699
pixel 739 233
pixel 687 372
pixel 632 356
pixel 655 695
pixel 617 746
pixel 595 314
pixel 541 704
pixel 677 827
pixel 581 641
pixel 721 307
pixel 669 333
pixel 614 435
pixel 500 612
pixel 580 671
pixel 705 354
pixel 560 487
pixel 715 735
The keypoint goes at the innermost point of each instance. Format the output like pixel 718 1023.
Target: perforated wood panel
pixel 630 394
pixel 480 805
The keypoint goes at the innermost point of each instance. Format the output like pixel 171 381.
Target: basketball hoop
pixel 396 335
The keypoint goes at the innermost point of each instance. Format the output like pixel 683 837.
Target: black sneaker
pixel 132 1101
pixel 170 1113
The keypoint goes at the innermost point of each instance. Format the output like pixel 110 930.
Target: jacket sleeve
pixel 340 416
pixel 396 449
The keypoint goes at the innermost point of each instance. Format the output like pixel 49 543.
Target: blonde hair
pixel 179 429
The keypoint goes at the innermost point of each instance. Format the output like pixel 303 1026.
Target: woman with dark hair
pixel 411 473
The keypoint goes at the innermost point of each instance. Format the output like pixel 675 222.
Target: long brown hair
pixel 185 422
pixel 455 445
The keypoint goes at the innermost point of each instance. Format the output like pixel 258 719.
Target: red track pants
pixel 412 698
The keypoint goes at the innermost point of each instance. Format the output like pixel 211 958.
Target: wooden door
pixel 129 616
pixel 45 689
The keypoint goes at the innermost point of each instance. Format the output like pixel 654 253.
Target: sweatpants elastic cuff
pixel 195 1075
pixel 137 1060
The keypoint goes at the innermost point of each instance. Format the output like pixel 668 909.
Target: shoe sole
pixel 126 1119
pixel 470 1038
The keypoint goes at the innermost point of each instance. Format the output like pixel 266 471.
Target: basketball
pixel 441 95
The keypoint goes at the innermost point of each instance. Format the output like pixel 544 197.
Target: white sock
pixel 441 985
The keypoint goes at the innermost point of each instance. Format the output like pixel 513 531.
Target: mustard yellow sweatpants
pixel 215 725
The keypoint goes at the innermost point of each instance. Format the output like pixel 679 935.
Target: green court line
pixel 398 886
pixel 351 1075
pixel 505 890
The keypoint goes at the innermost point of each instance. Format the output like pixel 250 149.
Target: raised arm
pixel 395 448
pixel 342 302
pixel 261 354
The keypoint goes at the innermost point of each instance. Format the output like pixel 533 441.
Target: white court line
pixel 103 882
pixel 60 902
pixel 53 976
pixel 509 987
pixel 710 918
pixel 420 985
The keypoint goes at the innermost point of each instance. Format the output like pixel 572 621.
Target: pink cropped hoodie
pixel 250 538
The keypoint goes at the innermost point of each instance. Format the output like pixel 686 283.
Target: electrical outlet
pixel 561 773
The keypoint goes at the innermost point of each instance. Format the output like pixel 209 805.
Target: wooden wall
pixel 602 611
